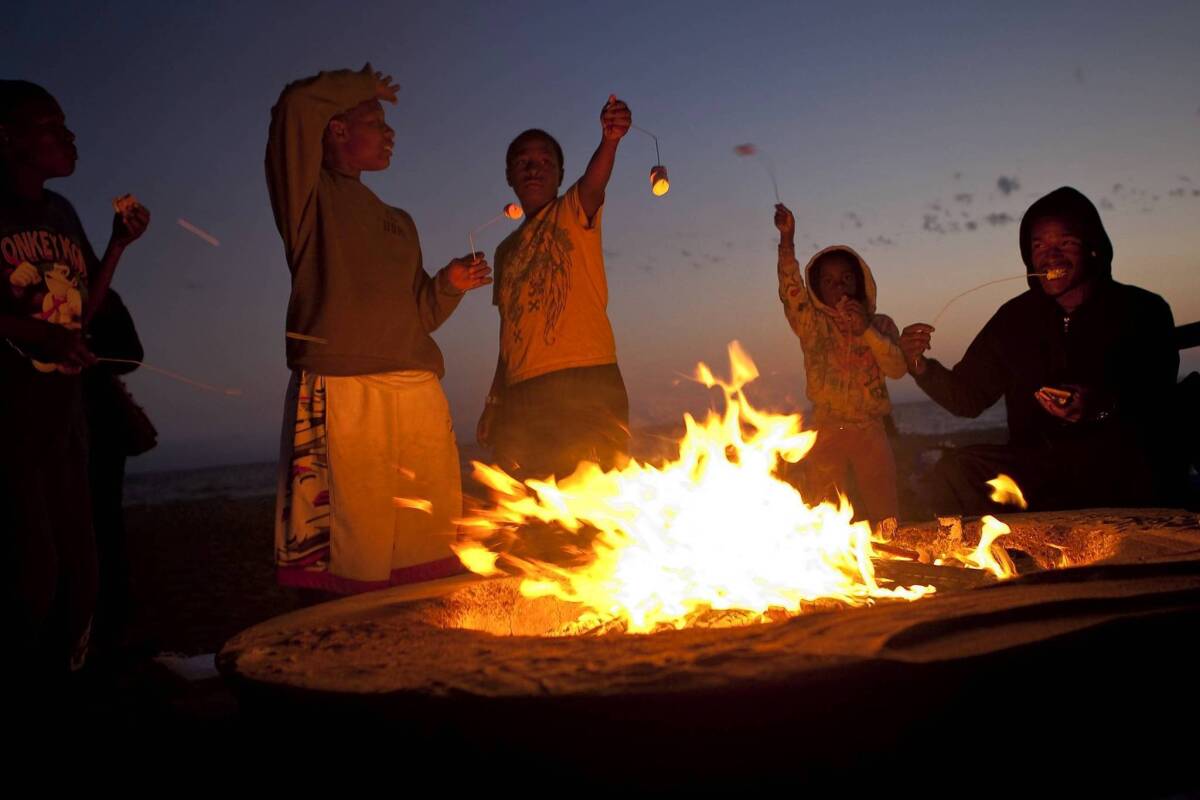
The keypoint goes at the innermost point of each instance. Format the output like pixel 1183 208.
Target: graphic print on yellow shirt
pixel 552 293
pixel 44 268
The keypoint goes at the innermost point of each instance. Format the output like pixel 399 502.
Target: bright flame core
pixel 715 529
pixel 513 211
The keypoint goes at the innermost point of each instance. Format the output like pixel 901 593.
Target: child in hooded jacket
pixel 848 351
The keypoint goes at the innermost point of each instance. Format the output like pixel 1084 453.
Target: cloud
pixel 646 268
pixel 998 219
pixel 728 245
pixel 972 225
pixel 611 253
pixel 854 219
pixel 963 197
pixel 881 241
pixel 1117 187
pixel 1185 179
pixel 958 176
pixel 935 206
pixel 1079 76
pixel 932 224
pixel 1180 192
pixel 697 265
pixel 1106 204
pixel 1195 192
pixel 686 253
pixel 1007 185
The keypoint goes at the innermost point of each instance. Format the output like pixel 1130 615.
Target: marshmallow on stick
pixel 125 205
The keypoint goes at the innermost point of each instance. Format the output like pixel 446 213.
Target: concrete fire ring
pixel 464 665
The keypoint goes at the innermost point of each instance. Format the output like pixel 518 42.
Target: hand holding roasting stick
pixel 785 222
pixel 615 120
pixel 468 272
pixel 915 341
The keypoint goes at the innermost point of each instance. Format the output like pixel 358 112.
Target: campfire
pixel 620 607
pixel 713 537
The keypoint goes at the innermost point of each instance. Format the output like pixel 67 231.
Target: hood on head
pixel 865 279
pixel 1072 206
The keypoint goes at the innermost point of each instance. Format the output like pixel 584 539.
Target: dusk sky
pixel 917 133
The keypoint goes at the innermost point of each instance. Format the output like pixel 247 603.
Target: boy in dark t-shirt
pixel 50 284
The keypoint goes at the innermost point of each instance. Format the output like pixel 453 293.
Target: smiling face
pixel 1056 249
pixel 360 140
pixel 39 140
pixel 534 172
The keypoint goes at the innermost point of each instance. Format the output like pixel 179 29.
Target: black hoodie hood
pixel 1071 206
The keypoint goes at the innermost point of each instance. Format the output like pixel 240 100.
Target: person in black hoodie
pixel 1086 366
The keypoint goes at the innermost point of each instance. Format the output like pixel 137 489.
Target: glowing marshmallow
pixel 659 183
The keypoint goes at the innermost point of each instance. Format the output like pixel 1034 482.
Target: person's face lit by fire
pixel 535 173
pixel 1058 251
pixel 360 140
pixel 836 278
pixel 39 140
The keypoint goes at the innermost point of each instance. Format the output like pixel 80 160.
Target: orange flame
pixel 988 555
pixel 715 529
pixel 1006 492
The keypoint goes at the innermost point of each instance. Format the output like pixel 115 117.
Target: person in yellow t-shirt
pixel 557 397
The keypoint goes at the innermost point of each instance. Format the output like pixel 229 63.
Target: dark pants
pixel 551 423
pixel 1098 468
pixel 113 603
pixel 49 560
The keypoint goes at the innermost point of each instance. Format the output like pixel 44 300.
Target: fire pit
pixel 1089 661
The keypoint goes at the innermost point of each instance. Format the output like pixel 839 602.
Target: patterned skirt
pixel 369 482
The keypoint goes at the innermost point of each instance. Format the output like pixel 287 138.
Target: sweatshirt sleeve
pixel 975 383
pixel 793 293
pixel 436 298
pixel 294 145
pixel 882 337
pixel 1146 364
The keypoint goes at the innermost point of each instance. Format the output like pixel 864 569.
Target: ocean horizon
pixel 258 478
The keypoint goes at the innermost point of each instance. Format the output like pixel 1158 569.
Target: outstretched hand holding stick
pixel 915 340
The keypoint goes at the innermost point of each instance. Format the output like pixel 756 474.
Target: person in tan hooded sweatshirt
pixel 848 349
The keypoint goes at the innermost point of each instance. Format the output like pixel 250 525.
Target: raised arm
pixel 792 291
pixel 615 119
pixel 295 141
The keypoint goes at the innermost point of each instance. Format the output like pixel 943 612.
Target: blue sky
pixel 917 132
